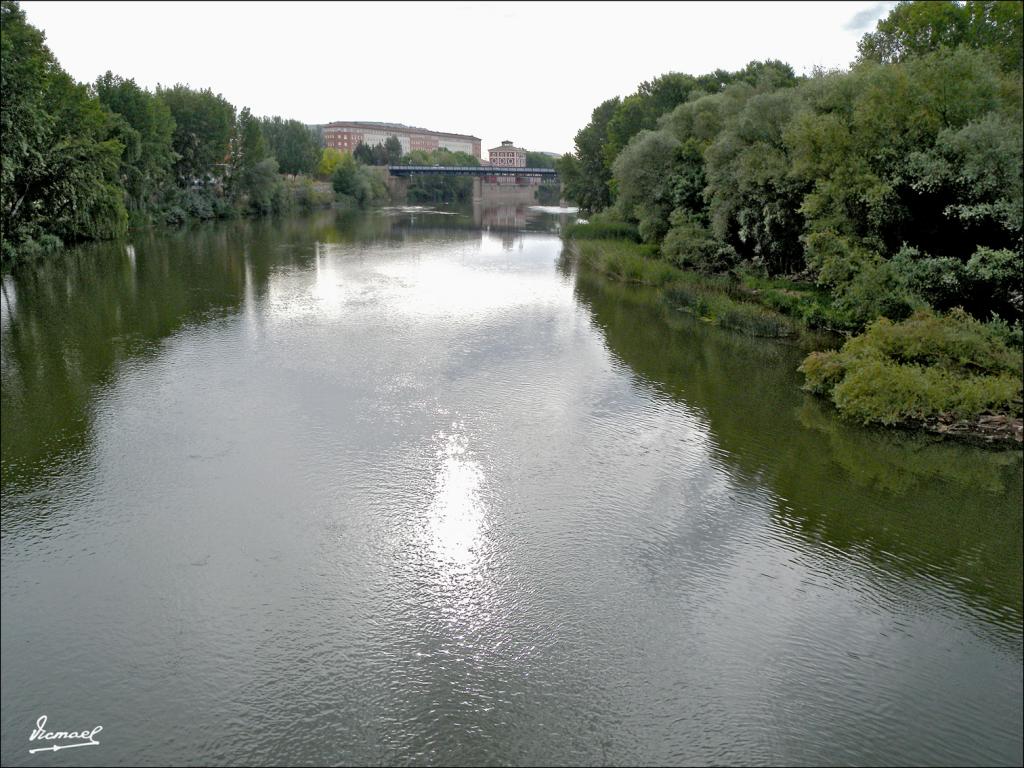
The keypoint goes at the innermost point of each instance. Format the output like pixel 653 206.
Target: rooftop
pixel 395 127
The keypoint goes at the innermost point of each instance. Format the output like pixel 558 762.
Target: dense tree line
pixel 894 184
pixel 890 192
pixel 81 161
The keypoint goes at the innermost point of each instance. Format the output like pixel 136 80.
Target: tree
pixel 393 151
pixel 204 124
pixel 295 145
pixel 148 158
pixel 344 177
pixel 249 146
pixel 59 161
pixel 330 159
pixel 645 172
pixel 754 201
pixel 253 174
pixel 568 167
pixel 916 28
pixel 363 153
pixel 260 182
pixel 641 110
pixel 590 187
pixel 539 160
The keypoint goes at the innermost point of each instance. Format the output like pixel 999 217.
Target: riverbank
pixel 947 374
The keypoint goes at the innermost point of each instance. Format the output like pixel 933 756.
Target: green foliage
pixel 916 28
pixel 61 155
pixel 716 298
pixel 250 148
pixel 262 186
pixel 354 182
pixel 896 185
pixel 330 159
pixel 754 199
pixel 387 153
pixel 548 193
pixel 977 166
pixel 78 160
pixel 148 157
pixel 570 173
pixel 588 177
pixel 646 173
pixel 928 366
pixel 345 176
pixel 440 189
pixel 295 146
pixel 363 153
pixel 539 160
pixel 392 151
pixel 718 302
pixel 753 320
pixel 306 194
pixel 204 124
pixel 602 228
pixel 689 244
pixel 625 261
pixel 588 182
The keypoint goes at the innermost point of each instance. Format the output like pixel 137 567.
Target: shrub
pixel 886 392
pixel 175 215
pixel 755 321
pixel 198 204
pixel 690 245
pixel 42 245
pixel 823 371
pixel 953 341
pixel 876 291
pixel 927 366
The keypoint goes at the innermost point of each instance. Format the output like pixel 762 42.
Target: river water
pixel 409 487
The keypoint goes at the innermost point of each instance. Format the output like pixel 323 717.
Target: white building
pixel 508 155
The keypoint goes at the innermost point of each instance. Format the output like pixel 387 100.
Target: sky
pixel 524 71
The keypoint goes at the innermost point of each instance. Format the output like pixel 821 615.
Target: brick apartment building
pixel 346 136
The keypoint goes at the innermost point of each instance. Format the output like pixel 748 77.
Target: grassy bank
pixel 946 373
pixel 729 301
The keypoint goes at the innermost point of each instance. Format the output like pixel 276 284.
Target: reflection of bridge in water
pixel 497 184
pixel 511 221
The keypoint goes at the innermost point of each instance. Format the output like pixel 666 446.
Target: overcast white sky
pixel 526 71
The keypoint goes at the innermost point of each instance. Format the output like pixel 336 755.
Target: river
pixel 409 487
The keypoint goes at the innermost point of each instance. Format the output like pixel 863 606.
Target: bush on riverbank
pixel 929 366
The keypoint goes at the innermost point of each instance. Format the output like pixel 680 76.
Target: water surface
pixel 410 487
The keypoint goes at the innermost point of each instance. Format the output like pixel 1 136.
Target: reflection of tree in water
pixel 69 321
pixel 913 503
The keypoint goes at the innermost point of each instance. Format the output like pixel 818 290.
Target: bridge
pixel 470 170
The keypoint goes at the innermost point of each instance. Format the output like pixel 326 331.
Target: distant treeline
pixel 81 161
pixel 888 189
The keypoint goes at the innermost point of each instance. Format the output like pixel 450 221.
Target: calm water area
pixel 410 486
